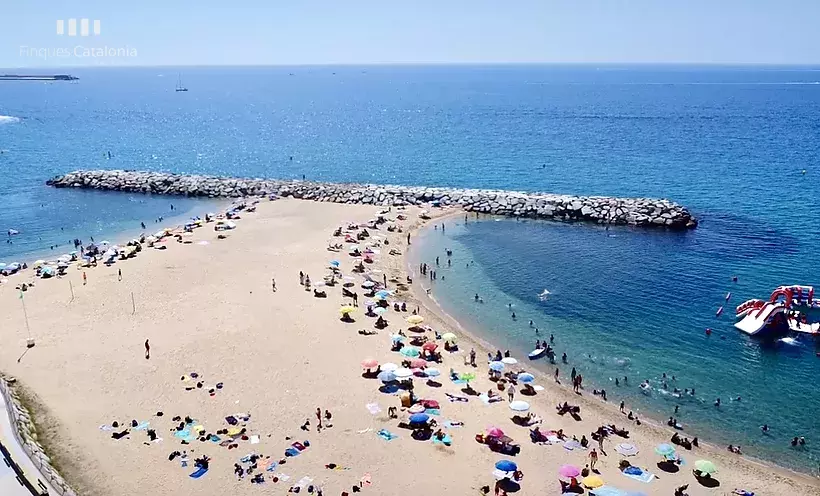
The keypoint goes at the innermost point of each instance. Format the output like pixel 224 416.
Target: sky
pixel 291 32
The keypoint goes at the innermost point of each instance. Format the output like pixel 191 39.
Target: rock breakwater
pixel 602 210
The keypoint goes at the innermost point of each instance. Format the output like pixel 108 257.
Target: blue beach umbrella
pixel 387 376
pixel 383 294
pixel 497 366
pixel 432 372
pixel 419 418
pixel 397 338
pixel 380 311
pixel 525 378
pixel 410 351
pixel 506 466
pixel 665 449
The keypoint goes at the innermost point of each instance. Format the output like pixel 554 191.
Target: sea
pixel 737 145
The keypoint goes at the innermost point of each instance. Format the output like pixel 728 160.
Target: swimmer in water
pixel 531 324
pixel 764 428
pixel 564 357
pixel 717 402
pixel 513 316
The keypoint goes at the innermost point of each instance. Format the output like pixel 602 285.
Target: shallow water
pixel 730 143
pixel 635 303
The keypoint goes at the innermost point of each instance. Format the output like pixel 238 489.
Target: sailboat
pixel 179 84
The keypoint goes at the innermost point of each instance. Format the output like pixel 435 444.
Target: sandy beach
pixel 277 356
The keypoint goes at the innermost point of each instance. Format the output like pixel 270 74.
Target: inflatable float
pixel 537 353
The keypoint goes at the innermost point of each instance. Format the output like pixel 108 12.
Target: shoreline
pixel 429 304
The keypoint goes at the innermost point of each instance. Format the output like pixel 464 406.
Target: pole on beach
pixel 133 304
pixel 71 286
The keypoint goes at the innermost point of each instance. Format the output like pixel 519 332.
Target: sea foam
pixel 8 119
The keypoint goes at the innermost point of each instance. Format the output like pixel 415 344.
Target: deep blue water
pixel 730 143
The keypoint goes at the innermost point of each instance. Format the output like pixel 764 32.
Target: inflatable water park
pixel 788 309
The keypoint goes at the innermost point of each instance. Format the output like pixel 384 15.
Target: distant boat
pixel 179 84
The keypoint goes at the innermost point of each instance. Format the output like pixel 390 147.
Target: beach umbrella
pixel 419 418
pixel 705 467
pixel 467 376
pixel 432 372
pixel 449 337
pixel 347 309
pixel 525 378
pixel 382 294
pixel 389 367
pixel 509 360
pixel 380 311
pixel 387 376
pixel 626 449
pixel 665 449
pixel 38 263
pixel 497 366
pixel 418 363
pixel 368 284
pixel 369 363
pixel 429 346
pixel 569 471
pixel 593 481
pixel 417 408
pixel 349 278
pixel 506 466
pixel 2 266
pixel 415 319
pixel 519 406
pixel 403 373
pixel 410 351
pixel 495 432
pixel 397 338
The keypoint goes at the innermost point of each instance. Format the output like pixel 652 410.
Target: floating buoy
pixel 719 311
pixel 708 331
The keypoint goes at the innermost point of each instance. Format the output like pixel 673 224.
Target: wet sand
pixel 210 309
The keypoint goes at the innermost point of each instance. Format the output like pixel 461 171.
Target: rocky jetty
pixel 599 209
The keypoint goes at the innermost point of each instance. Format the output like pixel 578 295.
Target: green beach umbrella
pixel 705 467
pixel 467 376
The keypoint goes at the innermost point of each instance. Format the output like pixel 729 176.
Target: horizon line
pixel 432 63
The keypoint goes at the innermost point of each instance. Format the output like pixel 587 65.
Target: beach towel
pixel 254 439
pixel 142 426
pixel 199 473
pixel 447 441
pixel 184 434
pixel 612 491
pixel 214 438
pixel 373 408
pixel 302 483
pixel 272 467
pixel 300 446
pixel 454 398
pixel 643 476
pixel 365 480
pixel 386 435
pixel 450 425
pixel 432 411
pixel 292 452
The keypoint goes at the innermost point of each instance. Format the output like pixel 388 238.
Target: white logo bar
pixel 87 26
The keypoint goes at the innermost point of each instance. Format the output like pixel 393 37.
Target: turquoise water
pixel 729 142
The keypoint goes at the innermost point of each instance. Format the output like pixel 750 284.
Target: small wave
pixel 544 295
pixel 8 119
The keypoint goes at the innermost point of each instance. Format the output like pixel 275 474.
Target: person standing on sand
pixel 319 418
pixel 408 238
pixel 147 350
pixel 85 279
pixel 556 375
pixel 273 284
pixel 301 278
pixel 384 278
pixel 119 274
pixel 593 457
pixel 472 357
pixel 511 392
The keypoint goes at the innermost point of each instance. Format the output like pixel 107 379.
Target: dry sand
pixel 210 309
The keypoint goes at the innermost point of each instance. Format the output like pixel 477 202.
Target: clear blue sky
pixel 241 32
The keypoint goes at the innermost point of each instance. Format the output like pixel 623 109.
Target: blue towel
pixel 432 411
pixel 292 452
pixel 199 473
pixel 386 435
pixel 447 441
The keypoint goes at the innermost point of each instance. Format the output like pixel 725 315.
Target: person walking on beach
pixel 85 279
pixel 147 350
pixel 556 375
pixel 408 238
pixel 119 274
pixel 301 278
pixel 273 284
pixel 355 299
pixel 511 393
pixel 573 374
pixel 319 418
pixel 593 458
pixel 472 357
